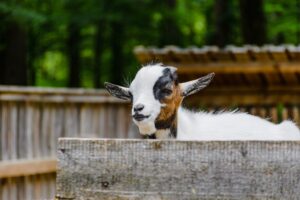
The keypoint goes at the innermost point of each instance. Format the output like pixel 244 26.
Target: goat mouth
pixel 139 117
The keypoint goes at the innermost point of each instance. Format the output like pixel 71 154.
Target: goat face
pixel 156 95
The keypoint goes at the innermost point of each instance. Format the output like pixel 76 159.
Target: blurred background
pixel 79 43
pixel 251 45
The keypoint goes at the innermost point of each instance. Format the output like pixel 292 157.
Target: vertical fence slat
pixel 72 120
pixel 101 121
pixel 296 115
pixel 13 133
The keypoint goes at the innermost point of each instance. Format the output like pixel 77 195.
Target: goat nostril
pixel 138 107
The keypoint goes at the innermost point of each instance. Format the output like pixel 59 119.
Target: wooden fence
pixel 170 169
pixel 260 80
pixel 32 119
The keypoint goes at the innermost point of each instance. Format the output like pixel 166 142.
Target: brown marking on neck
pixel 168 114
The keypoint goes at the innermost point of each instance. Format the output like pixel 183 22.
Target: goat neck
pixel 166 122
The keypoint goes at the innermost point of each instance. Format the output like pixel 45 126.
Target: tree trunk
pixel 253 22
pixel 117 40
pixel 73 48
pixel 221 23
pixel 169 31
pixel 298 20
pixel 14 55
pixel 32 54
pixel 98 49
pixel 2 46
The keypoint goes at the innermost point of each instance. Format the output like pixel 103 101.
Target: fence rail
pixel 27 167
pixel 32 119
pixel 153 169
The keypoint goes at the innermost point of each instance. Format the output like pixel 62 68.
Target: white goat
pixel 156 96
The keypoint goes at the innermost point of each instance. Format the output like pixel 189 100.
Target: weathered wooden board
pixel 153 169
pixel 32 119
pixel 19 168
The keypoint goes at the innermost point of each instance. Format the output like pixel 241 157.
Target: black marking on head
pixel 163 86
pixel 198 85
pixel 118 91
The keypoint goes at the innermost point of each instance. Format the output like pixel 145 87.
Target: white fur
pixel 142 91
pixel 231 126
pixel 201 125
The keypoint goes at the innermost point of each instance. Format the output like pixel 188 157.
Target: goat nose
pixel 138 107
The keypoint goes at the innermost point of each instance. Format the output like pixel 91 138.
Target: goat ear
pixel 118 91
pixel 194 86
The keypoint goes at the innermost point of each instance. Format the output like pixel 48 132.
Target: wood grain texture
pixel 32 119
pixel 152 169
pixel 18 168
pixel 263 66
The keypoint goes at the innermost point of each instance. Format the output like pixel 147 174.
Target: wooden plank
pixel 21 187
pixel 49 91
pixel 224 56
pixel 234 67
pixel 240 54
pixel 172 169
pixel 296 114
pixel 72 123
pixel 245 96
pixel 274 114
pixel 46 130
pixel 27 167
pixel 277 53
pixel 57 95
pixel 56 128
pixel 4 131
pixel 180 55
pixel 262 112
pixel 199 55
pixel 59 98
pixel 86 122
pixel 294 53
pixel 142 54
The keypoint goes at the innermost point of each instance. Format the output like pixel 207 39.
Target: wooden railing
pixel 32 119
pixel 171 169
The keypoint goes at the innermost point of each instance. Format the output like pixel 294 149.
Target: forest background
pixel 82 43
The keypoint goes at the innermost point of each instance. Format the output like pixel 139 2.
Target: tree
pixel 14 55
pixel 73 50
pixel 117 61
pixel 170 33
pixel 253 23
pixel 98 50
pixel 73 41
pixel 221 20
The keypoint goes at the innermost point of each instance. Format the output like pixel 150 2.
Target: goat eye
pixel 166 91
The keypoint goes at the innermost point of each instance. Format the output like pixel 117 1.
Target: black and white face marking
pixel 168 124
pixel 150 86
pixel 151 91
pixel 163 87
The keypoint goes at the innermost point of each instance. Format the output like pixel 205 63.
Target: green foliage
pixel 145 22
pixel 283 21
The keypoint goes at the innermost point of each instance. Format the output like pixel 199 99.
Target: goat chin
pixel 231 126
pixel 146 128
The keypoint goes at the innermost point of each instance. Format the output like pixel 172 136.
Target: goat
pixel 156 98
